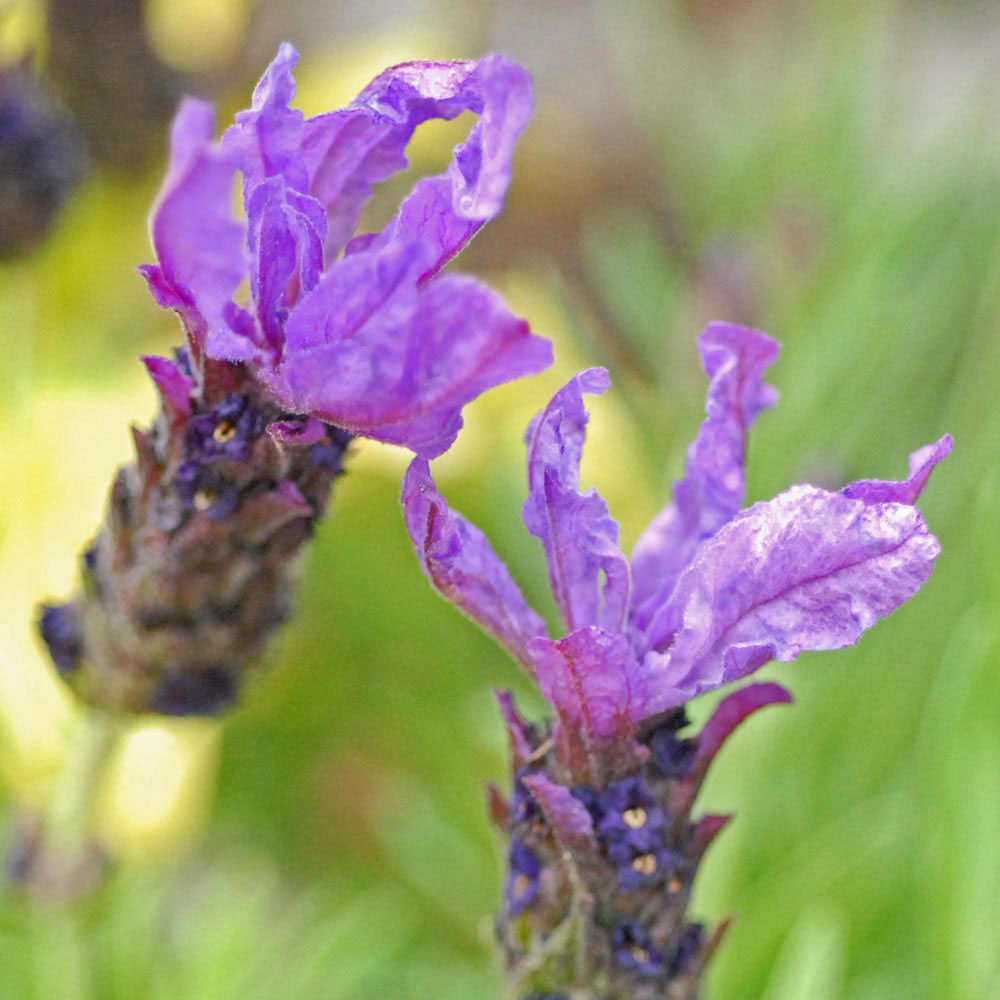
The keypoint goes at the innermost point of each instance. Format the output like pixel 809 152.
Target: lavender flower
pixel 339 336
pixel 360 331
pixel 711 593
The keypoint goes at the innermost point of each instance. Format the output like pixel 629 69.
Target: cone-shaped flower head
pixel 360 331
pixel 711 593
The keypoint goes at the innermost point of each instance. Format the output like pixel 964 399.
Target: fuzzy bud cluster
pixel 192 570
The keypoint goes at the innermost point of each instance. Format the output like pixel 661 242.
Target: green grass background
pixel 830 173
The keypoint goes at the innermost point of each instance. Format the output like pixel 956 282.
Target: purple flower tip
pixel 687 948
pixel 634 949
pixel 60 628
pixel 360 332
pixel 195 692
pixel 521 889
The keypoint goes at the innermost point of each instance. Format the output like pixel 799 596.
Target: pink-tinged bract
pixel 355 329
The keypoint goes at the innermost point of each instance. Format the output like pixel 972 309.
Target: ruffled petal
pixel 711 492
pixel 579 535
pixel 266 139
pixel 922 463
pixel 347 151
pixel 808 570
pixel 198 244
pixel 599 693
pixel 462 566
pixel 370 352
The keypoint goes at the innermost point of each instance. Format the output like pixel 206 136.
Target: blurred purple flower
pixel 360 331
pixel 711 593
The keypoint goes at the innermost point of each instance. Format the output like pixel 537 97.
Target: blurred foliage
pixel 827 172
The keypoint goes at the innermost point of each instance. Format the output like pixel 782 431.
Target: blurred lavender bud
pixel 42 159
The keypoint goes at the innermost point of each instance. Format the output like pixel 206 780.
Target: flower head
pixel 711 593
pixel 360 331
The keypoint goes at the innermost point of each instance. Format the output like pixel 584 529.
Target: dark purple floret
pixel 639 867
pixel 59 625
pixel 203 491
pixel 329 455
pixel 227 432
pixel 521 889
pixel 634 949
pixel 630 814
pixel 687 949
pixel 195 692
pixel 671 754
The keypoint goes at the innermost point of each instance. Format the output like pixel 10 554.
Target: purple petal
pixel 728 715
pixel 568 817
pixel 265 140
pixel 197 242
pixel 598 691
pixel 347 151
pixel 711 492
pixel 808 570
pixel 286 233
pixel 922 463
pixel 463 567
pixel 579 535
pixel 175 387
pixel 370 352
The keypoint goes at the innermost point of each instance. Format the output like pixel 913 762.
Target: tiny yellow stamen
pixel 675 884
pixel 635 818
pixel 521 886
pixel 204 499
pixel 225 430
pixel 645 864
pixel 638 953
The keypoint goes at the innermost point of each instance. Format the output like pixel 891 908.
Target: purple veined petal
pixel 517 735
pixel 462 566
pixel 598 691
pixel 808 570
pixel 384 359
pixel 265 141
pixel 729 714
pixel 286 231
pixel 175 387
pixel 198 244
pixel 712 489
pixel 578 534
pixel 450 209
pixel 348 151
pixel 922 464
pixel 567 815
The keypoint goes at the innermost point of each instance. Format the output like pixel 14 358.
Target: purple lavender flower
pixel 360 331
pixel 337 335
pixel 711 593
